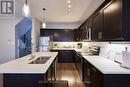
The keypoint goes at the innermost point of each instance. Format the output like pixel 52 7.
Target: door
pixel 23 37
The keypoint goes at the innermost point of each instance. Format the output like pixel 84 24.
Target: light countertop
pixel 106 66
pixel 67 49
pixel 22 65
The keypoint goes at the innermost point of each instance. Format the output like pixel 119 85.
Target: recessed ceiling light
pixel 68 1
pixel 69 6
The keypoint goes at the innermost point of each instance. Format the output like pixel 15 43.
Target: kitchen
pixel 94 54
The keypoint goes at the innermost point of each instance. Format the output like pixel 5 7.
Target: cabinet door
pixel 84 31
pixel 77 35
pixel 66 56
pixel 96 78
pixel 23 80
pixel 86 73
pixel 112 21
pixel 97 26
pixel 89 22
pixel 63 35
pixel 59 35
pixel 79 64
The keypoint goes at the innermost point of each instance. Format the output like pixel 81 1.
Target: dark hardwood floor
pixel 68 71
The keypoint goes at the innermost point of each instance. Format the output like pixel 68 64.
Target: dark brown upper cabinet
pixel 83 30
pixel 59 35
pixel 116 21
pixel 78 35
pixel 97 26
pixel 112 21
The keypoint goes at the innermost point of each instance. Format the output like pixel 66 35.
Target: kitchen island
pixel 27 72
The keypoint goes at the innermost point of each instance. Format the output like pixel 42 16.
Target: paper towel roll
pixel 126 59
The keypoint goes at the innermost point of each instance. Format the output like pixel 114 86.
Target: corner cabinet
pixel 65 56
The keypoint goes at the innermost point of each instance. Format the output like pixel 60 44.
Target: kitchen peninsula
pixel 29 71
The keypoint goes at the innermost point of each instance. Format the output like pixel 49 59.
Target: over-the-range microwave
pixel 88 35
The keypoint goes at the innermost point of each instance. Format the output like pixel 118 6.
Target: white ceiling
pixel 56 10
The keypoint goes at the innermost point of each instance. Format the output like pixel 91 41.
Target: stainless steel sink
pixel 41 60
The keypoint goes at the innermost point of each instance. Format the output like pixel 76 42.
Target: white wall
pixel 7 38
pixel 36 26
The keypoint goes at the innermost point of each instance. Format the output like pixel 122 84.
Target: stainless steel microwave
pixel 88 35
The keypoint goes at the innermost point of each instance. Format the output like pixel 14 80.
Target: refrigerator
pixel 45 43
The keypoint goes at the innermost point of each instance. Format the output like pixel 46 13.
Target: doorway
pixel 23 31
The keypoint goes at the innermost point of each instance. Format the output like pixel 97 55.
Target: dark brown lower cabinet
pixel 65 56
pixel 79 63
pixel 92 77
pixel 30 79
pixel 86 73
pixel 96 78
pixel 23 80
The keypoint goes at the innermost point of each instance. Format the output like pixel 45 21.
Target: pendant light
pixel 44 21
pixel 26 9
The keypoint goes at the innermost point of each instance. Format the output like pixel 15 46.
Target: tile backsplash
pixel 112 50
pixel 65 44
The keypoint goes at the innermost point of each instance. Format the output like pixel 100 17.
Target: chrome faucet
pixel 32 55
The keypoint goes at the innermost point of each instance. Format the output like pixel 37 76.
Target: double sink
pixel 40 60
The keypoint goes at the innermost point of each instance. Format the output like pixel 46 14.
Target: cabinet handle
pixel 88 82
pixel 88 72
pixel 94 69
pixel 100 35
pixel 40 82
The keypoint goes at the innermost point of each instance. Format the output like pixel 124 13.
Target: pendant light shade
pixel 26 9
pixel 43 25
pixel 44 20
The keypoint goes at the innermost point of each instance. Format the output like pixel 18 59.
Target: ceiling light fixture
pixel 69 6
pixel 68 1
pixel 26 9
pixel 44 21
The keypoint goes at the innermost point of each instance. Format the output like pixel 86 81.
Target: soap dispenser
pixel 126 58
